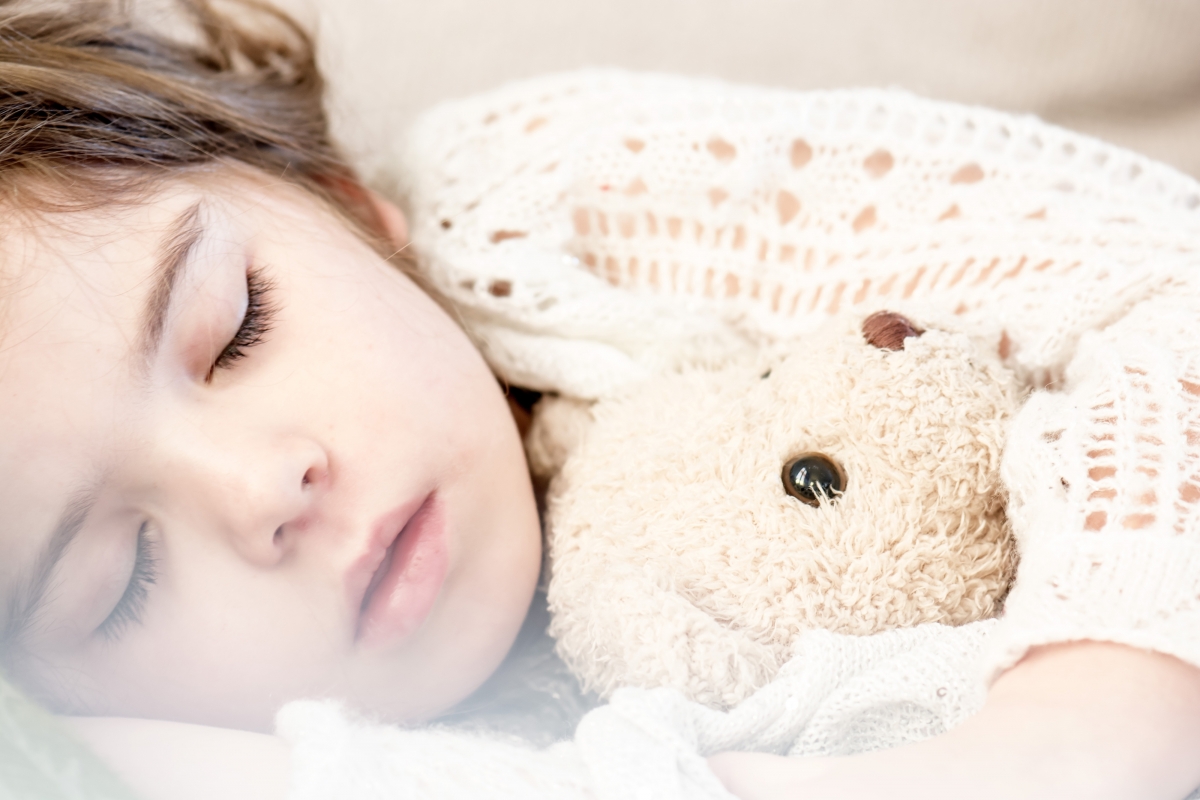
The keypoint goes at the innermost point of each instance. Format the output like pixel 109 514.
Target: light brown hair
pixel 97 105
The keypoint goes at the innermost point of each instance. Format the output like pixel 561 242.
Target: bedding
pixel 40 759
pixel 839 695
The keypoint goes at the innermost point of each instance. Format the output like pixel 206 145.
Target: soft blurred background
pixel 1125 70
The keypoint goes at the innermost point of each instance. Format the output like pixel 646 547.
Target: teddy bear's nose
pixel 887 330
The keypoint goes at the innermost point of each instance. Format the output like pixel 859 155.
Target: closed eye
pixel 255 325
pixel 128 610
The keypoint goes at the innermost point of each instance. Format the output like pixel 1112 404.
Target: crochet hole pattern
pixel 711 249
pixel 1140 437
pixel 774 210
pixel 762 249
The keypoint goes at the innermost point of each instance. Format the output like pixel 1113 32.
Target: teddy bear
pixel 700 522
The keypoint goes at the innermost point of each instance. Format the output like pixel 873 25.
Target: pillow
pixel 39 759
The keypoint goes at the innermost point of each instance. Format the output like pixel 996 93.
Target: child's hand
pixel 1083 720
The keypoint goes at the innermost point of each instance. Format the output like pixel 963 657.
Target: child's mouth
pixel 405 585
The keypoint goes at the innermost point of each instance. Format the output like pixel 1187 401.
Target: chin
pixel 446 662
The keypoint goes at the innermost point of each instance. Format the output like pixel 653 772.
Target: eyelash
pixel 129 608
pixel 256 323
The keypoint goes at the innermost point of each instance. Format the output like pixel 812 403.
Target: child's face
pixel 222 505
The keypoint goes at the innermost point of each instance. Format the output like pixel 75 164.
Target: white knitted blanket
pixel 839 695
pixel 596 227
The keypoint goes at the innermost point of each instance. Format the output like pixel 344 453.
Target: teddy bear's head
pixel 702 521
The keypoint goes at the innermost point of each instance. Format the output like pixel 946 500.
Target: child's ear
pixel 377 213
pixel 391 219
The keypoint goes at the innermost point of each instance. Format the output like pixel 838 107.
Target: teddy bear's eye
pixel 810 476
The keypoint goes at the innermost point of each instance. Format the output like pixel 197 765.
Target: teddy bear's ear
pixel 559 425
pixel 887 330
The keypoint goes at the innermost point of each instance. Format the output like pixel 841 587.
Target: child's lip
pixel 393 586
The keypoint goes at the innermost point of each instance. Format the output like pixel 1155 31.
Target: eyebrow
pixel 175 255
pixel 26 600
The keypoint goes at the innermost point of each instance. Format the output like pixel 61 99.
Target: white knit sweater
pixel 596 227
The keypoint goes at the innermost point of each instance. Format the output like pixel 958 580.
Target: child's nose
pixel 260 495
pixel 275 501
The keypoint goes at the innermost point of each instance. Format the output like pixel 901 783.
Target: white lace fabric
pixel 595 227
pixel 840 695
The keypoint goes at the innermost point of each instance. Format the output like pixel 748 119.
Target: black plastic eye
pixel 810 476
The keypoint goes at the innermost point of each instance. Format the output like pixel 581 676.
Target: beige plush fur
pixel 678 559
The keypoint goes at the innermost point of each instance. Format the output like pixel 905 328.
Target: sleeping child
pixel 250 456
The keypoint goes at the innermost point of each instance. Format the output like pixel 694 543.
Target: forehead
pixel 55 262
